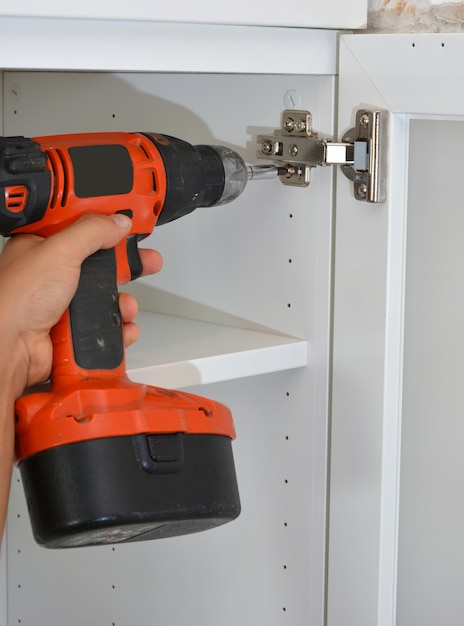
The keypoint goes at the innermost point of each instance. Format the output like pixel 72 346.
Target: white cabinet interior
pixel 243 301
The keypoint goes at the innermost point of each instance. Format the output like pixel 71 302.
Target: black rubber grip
pixel 96 323
pixel 23 164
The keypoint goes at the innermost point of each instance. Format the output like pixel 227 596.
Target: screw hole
pixel 80 420
pixel 413 45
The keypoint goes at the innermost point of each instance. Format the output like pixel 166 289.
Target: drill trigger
pixel 133 256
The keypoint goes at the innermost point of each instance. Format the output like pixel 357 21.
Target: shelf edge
pixel 221 367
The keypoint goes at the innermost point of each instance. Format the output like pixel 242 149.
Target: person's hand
pixel 38 278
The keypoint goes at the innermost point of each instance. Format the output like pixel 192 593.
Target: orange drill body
pixel 142 192
pixel 48 183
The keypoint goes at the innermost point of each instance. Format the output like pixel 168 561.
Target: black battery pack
pixel 130 488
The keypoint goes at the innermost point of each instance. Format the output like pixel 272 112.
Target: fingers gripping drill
pixel 104 459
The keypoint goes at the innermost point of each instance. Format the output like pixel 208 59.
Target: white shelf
pixel 175 352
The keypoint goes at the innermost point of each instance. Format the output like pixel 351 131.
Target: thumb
pixel 91 233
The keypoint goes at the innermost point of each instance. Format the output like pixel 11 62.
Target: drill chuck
pixel 235 173
pixel 197 176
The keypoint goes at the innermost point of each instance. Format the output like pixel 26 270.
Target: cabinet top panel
pixel 300 13
pixel 150 46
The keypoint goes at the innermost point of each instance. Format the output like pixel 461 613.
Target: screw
pixel 362 190
pixel 300 126
pixel 266 147
pixel 293 150
pixel 289 124
pixel 364 120
pixel 15 92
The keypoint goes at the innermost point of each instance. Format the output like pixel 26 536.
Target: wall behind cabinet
pixel 416 16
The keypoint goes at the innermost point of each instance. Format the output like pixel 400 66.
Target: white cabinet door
pixel 300 13
pixel 395 537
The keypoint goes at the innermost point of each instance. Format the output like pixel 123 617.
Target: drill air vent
pixel 16 198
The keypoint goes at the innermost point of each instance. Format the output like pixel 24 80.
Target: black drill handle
pixel 95 318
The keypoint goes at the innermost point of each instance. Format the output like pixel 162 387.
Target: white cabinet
pixel 301 13
pixel 241 308
pixel 261 304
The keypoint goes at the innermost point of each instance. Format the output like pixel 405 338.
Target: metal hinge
pixel 295 149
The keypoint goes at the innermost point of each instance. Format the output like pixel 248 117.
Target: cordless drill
pixel 104 459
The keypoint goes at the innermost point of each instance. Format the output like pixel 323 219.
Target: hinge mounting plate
pixel 295 148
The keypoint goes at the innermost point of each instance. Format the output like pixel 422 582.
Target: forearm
pixel 13 376
pixel 6 447
pixel 6 439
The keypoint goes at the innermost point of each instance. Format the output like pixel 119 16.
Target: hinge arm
pixel 296 149
pixel 338 153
